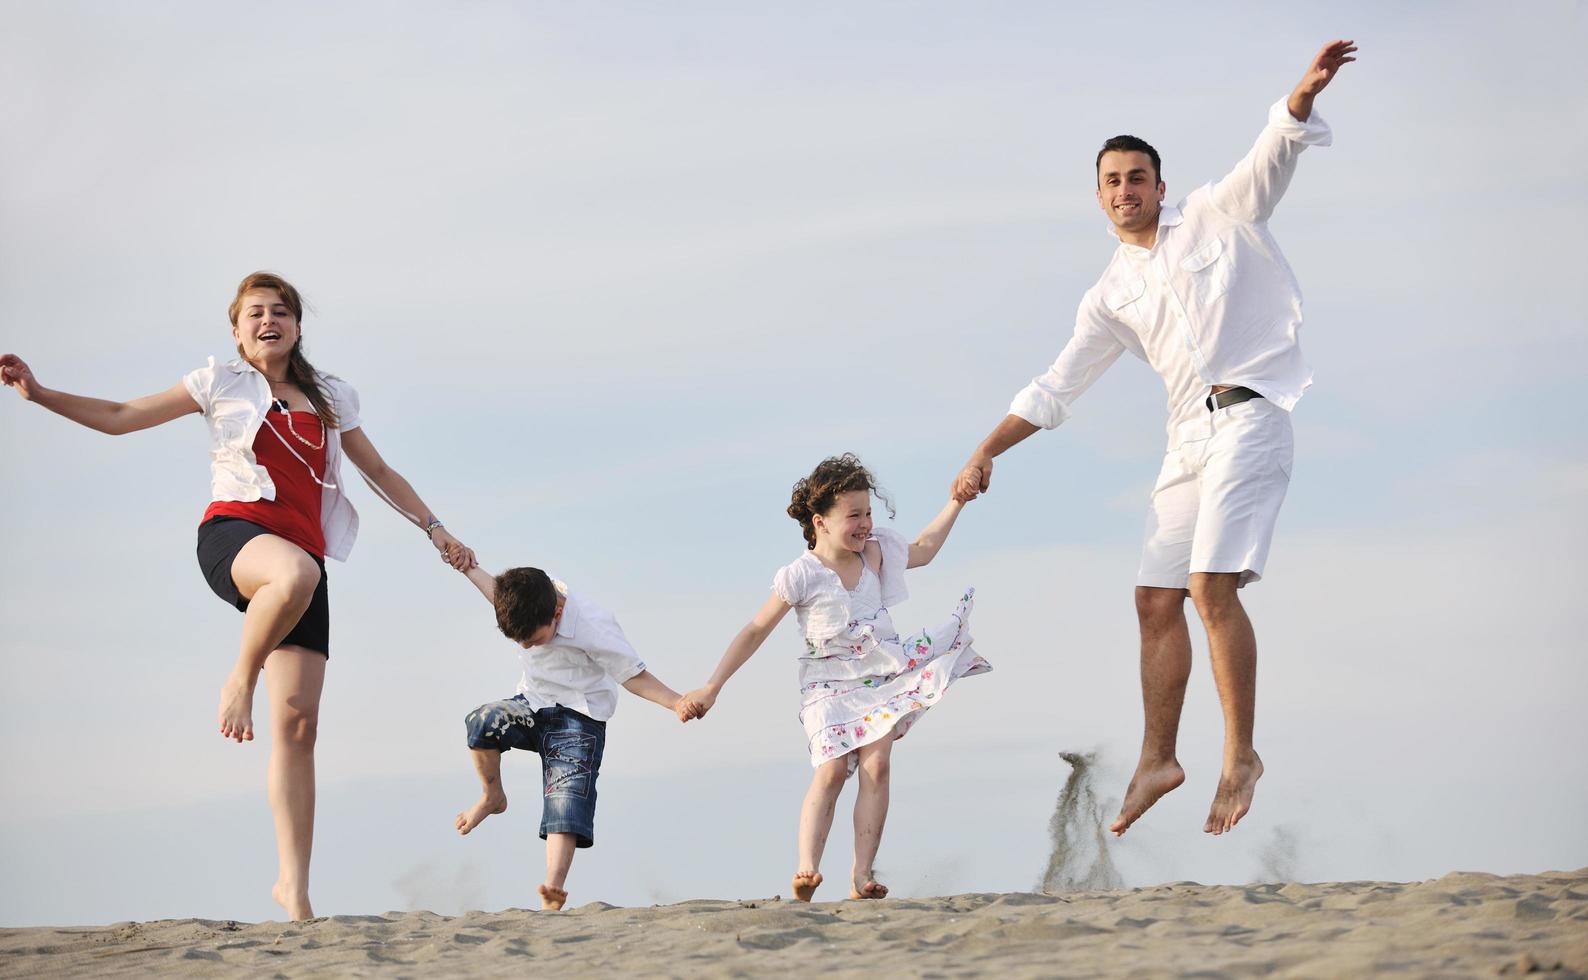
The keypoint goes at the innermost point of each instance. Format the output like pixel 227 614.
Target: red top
pixel 295 513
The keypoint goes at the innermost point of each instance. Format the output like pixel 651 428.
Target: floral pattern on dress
pixel 872 684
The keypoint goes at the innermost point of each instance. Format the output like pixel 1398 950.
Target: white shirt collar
pixel 570 613
pixel 1168 216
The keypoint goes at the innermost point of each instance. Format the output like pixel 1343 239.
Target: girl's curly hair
pixel 815 494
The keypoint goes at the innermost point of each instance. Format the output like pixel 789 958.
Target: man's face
pixel 1129 190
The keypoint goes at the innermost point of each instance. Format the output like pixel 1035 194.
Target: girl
pixel 861 685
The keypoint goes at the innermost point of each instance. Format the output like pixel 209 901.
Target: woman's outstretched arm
pixel 399 493
pixel 114 418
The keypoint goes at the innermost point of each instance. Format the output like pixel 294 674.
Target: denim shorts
pixel 570 746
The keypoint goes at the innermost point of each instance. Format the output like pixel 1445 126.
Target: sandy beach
pixel 1463 924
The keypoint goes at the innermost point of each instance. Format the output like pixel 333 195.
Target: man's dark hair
pixel 1130 144
pixel 526 600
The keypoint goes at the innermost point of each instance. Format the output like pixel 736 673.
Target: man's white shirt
pixel 1213 302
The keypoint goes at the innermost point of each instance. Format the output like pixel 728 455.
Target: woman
pixel 278 429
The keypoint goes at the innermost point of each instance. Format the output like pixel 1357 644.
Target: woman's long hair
pixel 299 371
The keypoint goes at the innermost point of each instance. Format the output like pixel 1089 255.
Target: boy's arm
pixel 930 541
pixel 484 581
pixel 650 687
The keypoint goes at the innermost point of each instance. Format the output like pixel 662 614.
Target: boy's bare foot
pixel 805 884
pixel 1234 797
pixel 551 899
pixel 237 709
pixel 476 814
pixel 865 886
pixel 294 900
pixel 1149 784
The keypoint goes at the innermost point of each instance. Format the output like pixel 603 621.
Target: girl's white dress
pixel 859 680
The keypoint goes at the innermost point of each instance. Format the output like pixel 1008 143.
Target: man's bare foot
pixel 1148 786
pixel 237 709
pixel 865 886
pixel 295 901
pixel 476 814
pixel 551 899
pixel 805 884
pixel 1234 796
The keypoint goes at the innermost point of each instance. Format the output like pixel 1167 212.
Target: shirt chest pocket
pixel 1120 295
pixel 1206 269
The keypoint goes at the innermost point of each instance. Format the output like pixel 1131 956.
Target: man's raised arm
pixel 1251 191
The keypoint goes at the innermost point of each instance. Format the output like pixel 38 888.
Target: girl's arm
pixel 696 703
pixel 927 544
pixel 114 418
pixel 397 492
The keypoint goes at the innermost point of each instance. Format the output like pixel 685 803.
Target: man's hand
pixel 973 480
pixel 15 373
pixel 1319 74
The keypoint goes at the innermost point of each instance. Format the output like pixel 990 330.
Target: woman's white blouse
pixel 819 597
pixel 234 398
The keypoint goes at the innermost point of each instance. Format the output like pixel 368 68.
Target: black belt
pixel 1230 396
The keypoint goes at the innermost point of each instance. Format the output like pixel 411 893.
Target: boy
pixel 575 656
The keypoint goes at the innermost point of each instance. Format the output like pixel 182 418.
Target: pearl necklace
pixel 286 410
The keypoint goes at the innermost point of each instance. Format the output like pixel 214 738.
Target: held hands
pixel 695 704
pixel 453 551
pixel 973 480
pixel 15 373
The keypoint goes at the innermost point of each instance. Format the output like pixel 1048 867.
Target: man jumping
pixel 1201 292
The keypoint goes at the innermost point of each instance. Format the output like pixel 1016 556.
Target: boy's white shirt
pixel 583 666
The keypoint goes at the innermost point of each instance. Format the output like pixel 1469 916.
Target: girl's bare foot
pixel 1151 782
pixel 476 814
pixel 237 709
pixel 865 886
pixel 1234 796
pixel 551 899
pixel 805 884
pixel 294 900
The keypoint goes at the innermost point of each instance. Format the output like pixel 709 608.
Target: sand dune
pixel 1458 925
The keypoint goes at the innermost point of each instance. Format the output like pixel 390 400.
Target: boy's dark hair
pixel 526 600
pixel 1130 144
pixel 816 493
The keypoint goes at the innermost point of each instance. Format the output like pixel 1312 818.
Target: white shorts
pixel 1218 496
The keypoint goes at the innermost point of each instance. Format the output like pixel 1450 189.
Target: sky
pixel 610 277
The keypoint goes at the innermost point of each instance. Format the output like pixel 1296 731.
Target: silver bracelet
pixel 430 529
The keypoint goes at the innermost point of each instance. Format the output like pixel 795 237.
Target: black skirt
pixel 219 541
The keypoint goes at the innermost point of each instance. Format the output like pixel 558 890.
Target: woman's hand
pixel 453 551
pixel 15 373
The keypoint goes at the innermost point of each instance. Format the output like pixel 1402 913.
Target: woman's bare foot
pixel 551 899
pixel 1151 782
pixel 294 900
pixel 476 814
pixel 1234 796
pixel 805 884
pixel 865 886
pixel 237 709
